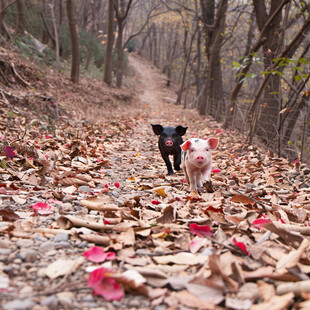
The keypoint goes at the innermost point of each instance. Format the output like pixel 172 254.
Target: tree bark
pixel 211 100
pixel 52 7
pixel 108 60
pixel 20 18
pixel 75 42
pixel 121 13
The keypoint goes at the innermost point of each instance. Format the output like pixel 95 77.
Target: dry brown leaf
pixel 100 203
pixel 169 215
pixel 275 303
pixel 243 199
pixel 292 258
pixel 189 300
pixel 160 191
pixel 266 290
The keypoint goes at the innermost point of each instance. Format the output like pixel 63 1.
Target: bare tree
pixel 52 7
pixel 121 13
pixel 20 18
pixel 108 60
pixel 212 100
pixel 75 42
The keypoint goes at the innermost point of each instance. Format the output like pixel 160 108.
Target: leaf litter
pixel 95 187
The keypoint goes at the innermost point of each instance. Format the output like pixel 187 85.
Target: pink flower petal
pixel 97 255
pixel 42 208
pixel 260 223
pixel 105 286
pixel 241 246
pixel 200 230
pixel 219 131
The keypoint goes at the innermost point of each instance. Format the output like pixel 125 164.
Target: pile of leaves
pixel 132 230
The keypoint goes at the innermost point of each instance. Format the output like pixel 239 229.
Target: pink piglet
pixel 197 160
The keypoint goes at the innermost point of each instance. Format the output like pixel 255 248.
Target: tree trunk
pixel 108 60
pixel 20 18
pixel 120 56
pixel 75 44
pixel 52 6
pixel 211 100
pixel 91 43
pixel 121 13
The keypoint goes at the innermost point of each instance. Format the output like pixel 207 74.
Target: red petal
pixel 97 255
pixel 96 276
pixel 155 202
pixel 241 246
pixel 260 223
pixel 116 184
pixel 103 285
pixel 216 170
pixel 200 230
pixel 42 208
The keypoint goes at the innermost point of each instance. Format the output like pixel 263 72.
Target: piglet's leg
pixel 177 161
pixel 192 181
pixel 206 174
pixel 183 166
pixel 168 164
pixel 199 179
pixel 206 181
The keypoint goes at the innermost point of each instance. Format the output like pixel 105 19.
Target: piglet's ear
pixel 181 130
pixel 158 129
pixel 186 145
pixel 213 142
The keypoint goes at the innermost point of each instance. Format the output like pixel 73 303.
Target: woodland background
pixel 246 63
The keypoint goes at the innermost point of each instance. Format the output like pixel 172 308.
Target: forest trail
pixel 105 184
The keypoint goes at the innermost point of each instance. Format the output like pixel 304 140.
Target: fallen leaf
pixel 62 267
pixel 9 215
pixel 104 285
pixel 200 230
pixel 98 255
pixel 42 208
pixel 241 246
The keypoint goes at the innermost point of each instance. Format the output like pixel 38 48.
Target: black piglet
pixel 170 139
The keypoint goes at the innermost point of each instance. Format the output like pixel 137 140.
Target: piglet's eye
pixel 207 150
pixel 192 150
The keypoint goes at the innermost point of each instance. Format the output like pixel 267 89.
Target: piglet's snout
pixel 200 159
pixel 169 143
